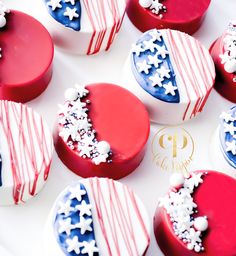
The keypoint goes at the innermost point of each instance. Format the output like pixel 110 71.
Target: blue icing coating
pixel 144 79
pixel 227 133
pixel 74 215
pixel 62 7
pixel 0 170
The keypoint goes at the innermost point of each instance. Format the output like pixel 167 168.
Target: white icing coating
pixel 228 58
pixel 180 207
pixel 92 25
pixel 26 149
pixel 76 127
pixel 119 210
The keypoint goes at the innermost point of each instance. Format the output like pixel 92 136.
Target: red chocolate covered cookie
pixel 25 57
pixel 186 16
pixel 102 131
pixel 197 216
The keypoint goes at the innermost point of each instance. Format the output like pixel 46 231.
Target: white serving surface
pixel 22 226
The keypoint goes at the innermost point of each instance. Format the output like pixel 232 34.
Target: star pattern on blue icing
pixel 228 135
pixel 152 68
pixel 73 225
pixel 66 12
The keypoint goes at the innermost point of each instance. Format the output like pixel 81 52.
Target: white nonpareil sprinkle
pixel 180 207
pixel 77 130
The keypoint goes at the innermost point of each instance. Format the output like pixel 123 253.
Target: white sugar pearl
pixel 2 21
pixel 177 180
pixel 71 94
pixel 230 66
pixel 197 248
pixel 145 3
pixel 190 246
pixel 103 147
pixel 201 223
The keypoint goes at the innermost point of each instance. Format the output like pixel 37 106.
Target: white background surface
pixel 21 227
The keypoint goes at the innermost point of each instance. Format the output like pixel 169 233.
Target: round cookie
pixel 97 216
pixel 25 153
pixel 186 16
pixel 223 145
pixel 197 218
pixel 25 58
pixel 171 73
pixel 102 130
pixel 223 52
pixel 84 26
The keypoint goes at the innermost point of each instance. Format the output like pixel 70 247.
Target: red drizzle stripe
pixel 115 218
pixel 22 150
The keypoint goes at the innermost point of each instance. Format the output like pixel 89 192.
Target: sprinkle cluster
pixel 229 56
pixel 3 21
pixel 154 5
pixel 180 206
pixel 71 13
pixel 74 219
pixel 154 62
pixel 230 130
pixel 76 127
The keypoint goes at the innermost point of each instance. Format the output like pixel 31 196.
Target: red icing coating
pixel 224 81
pixel 27 53
pixel 120 119
pixel 215 199
pixel 186 16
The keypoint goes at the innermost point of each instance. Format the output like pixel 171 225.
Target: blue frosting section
pixel 58 13
pixel 88 236
pixel 144 79
pixel 0 171
pixel 226 136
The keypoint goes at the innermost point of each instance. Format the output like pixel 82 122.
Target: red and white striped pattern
pixel 194 69
pixel 26 149
pixel 105 18
pixel 121 224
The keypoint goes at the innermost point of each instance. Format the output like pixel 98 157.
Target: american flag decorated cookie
pixel 26 149
pixel 101 130
pixel 196 216
pixel 25 65
pixel 97 216
pixel 172 73
pixel 84 26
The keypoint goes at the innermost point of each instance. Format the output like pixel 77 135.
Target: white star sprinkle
pixel 66 226
pixel 65 208
pixel 224 57
pixel 55 4
pixel 153 60
pixel 84 209
pixel 101 158
pixel 227 117
pixel 89 248
pixel 77 192
pixel 194 181
pixel 74 245
pixel 163 72
pixel 150 45
pixel 229 128
pixel 71 1
pixel 137 49
pixel 143 67
pixel 162 51
pixel 156 80
pixel 81 89
pixel 156 6
pixel 156 35
pixel 71 13
pixel 231 146
pixel 84 225
pixel 169 88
